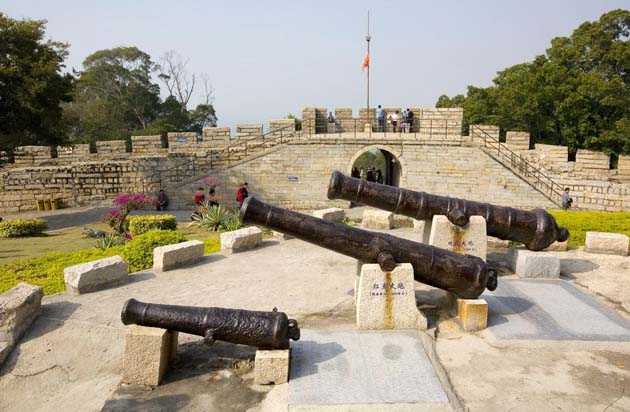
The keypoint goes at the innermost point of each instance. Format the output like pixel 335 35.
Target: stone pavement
pixel 73 353
pixel 83 216
pixel 363 368
pixel 551 309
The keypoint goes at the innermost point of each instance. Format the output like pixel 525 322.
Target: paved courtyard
pixel 73 353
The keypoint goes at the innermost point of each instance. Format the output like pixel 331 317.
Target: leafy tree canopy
pixel 577 94
pixel 31 84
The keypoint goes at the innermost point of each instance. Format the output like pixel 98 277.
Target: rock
pixel 148 352
pixel 377 219
pixel 280 235
pixel 19 307
pixel 423 227
pixel 607 243
pixel 558 247
pixel 530 264
pixel 241 239
pixel 387 300
pixel 179 254
pixel 271 367
pixel 96 275
pixel 466 240
pixel 473 314
pixel 334 214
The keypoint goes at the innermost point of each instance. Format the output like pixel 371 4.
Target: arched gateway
pixel 389 161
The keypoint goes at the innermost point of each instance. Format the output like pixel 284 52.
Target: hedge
pixel 142 224
pixel 22 227
pixel 47 271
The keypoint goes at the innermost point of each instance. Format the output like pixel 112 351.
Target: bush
pixel 22 227
pixel 139 251
pixel 210 217
pixel 142 224
pixel 232 222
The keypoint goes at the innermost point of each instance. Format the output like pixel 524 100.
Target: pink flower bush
pixel 117 219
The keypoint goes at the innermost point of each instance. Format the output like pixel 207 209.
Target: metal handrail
pixel 520 164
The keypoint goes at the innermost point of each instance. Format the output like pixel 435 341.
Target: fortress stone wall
pixel 291 168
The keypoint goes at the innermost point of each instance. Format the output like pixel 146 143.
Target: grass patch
pixel 580 222
pixel 41 260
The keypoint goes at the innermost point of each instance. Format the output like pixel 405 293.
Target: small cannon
pixel 265 330
pixel 464 275
pixel 536 229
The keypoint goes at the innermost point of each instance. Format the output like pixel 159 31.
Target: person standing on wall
pixel 380 117
pixel 409 120
pixel 395 118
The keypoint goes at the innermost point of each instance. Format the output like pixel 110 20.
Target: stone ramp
pixel 551 310
pixel 363 371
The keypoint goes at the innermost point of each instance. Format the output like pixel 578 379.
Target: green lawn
pixel 580 222
pixel 40 260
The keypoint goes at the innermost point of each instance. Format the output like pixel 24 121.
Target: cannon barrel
pixel 464 275
pixel 536 229
pixel 265 330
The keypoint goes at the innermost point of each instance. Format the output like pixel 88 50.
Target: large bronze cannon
pixel 464 275
pixel 265 330
pixel 536 229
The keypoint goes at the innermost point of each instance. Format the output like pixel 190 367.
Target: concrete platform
pixel 363 371
pixel 551 309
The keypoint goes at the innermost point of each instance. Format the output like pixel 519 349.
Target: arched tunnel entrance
pixel 377 165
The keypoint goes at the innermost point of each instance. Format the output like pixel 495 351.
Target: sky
pixel 266 59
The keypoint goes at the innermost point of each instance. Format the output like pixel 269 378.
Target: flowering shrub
pixel 117 219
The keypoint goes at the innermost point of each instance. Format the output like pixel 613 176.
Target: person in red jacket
pixel 241 194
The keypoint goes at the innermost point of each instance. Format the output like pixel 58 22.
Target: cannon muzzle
pixel 464 275
pixel 265 330
pixel 536 229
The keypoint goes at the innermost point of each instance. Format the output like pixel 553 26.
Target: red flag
pixel 366 62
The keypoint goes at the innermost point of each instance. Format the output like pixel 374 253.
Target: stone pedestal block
pixel 271 366
pixel 19 307
pixel 530 264
pixel 423 227
pixel 387 300
pixel 179 254
pixel 473 314
pixel 241 239
pixel 471 239
pixel 606 243
pixel 148 352
pixel 377 219
pixel 335 214
pixel 95 275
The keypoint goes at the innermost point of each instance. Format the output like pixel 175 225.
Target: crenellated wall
pixel 291 168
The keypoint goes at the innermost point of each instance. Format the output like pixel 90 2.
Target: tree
pixel 181 87
pixel 114 94
pixel 576 94
pixel 32 86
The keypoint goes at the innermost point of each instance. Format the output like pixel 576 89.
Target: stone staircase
pixel 182 180
pixel 518 165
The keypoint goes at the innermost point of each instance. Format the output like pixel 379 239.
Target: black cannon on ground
pixel 536 229
pixel 464 275
pixel 265 330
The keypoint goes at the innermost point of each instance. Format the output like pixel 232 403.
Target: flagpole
pixel 367 39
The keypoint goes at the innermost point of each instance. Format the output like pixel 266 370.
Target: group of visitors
pixel 405 119
pixel 201 199
pixel 371 174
